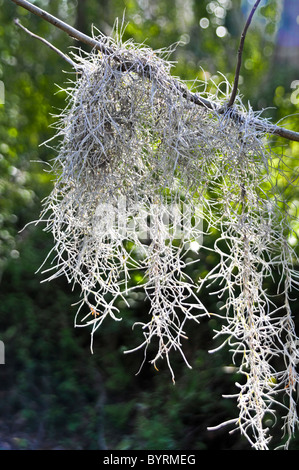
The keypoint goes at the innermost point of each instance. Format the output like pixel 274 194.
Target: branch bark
pixel 35 36
pixel 127 65
pixel 240 53
pixel 72 32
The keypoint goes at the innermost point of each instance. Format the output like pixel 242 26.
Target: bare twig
pixel 64 56
pixel 240 52
pixel 72 32
pixel 127 65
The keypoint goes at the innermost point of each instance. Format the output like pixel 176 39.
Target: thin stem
pixel 240 52
pixel 72 32
pixel 64 56
pixel 126 65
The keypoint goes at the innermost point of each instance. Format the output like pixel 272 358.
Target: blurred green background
pixel 55 394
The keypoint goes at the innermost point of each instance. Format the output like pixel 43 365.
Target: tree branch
pixel 64 56
pixel 127 65
pixel 240 52
pixel 72 32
